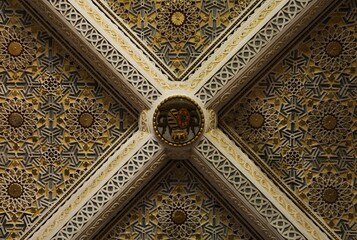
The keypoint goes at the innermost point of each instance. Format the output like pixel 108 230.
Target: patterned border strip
pixel 67 209
pixel 277 181
pixel 254 69
pixel 63 34
pixel 196 63
pixel 117 203
pixel 88 8
pixel 105 49
pixel 226 166
pixel 108 190
pixel 238 202
pixel 251 49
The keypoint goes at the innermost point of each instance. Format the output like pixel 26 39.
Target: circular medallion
pixel 178 121
pixel 15 190
pixel 178 216
pixel 86 119
pixel 329 122
pixel 15 48
pixel 334 48
pixel 15 119
pixel 177 18
pixel 256 120
pixel 330 195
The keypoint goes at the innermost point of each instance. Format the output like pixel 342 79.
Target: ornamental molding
pixel 230 160
pixel 250 59
pixel 121 159
pixel 276 180
pixel 123 76
pixel 121 198
pixel 231 195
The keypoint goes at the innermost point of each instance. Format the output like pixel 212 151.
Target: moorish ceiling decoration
pixel 179 205
pixel 178 34
pixel 178 119
pixel 56 122
pixel 301 120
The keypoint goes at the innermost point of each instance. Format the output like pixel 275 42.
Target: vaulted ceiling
pixel 179 119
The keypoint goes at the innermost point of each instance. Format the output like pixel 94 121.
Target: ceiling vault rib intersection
pixel 134 159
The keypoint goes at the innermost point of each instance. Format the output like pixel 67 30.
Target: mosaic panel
pixel 301 119
pixel 178 32
pixel 56 121
pixel 178 206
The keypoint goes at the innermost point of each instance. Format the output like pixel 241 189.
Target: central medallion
pixel 178 121
pixel 178 18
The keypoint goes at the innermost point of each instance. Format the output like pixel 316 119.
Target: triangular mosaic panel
pixel 178 34
pixel 56 122
pixel 177 205
pixel 301 120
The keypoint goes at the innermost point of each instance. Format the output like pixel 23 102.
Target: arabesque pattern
pixel 179 206
pixel 313 92
pixel 255 45
pixel 56 121
pixel 249 192
pixel 179 32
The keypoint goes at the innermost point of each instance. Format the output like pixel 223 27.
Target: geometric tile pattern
pixel 178 206
pixel 177 32
pixel 108 191
pixel 56 121
pixel 257 200
pixel 301 119
pixel 250 50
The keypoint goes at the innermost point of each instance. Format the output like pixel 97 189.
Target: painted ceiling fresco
pixel 301 120
pixel 178 32
pixel 179 205
pixel 56 122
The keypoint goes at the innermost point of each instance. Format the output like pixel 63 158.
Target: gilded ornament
pixel 15 190
pixel 178 121
pixel 86 119
pixel 15 119
pixel 178 18
pixel 330 195
pixel 334 48
pixel 253 119
pixel 256 120
pixel 18 120
pixel 15 48
pixel 179 216
pixel 329 122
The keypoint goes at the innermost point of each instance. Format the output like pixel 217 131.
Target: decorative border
pixel 52 218
pixel 150 69
pixel 250 50
pixel 206 185
pixel 223 163
pixel 248 191
pixel 98 42
pixel 201 127
pixel 107 192
pixel 118 202
pixel 206 54
pixel 277 181
pixel 237 202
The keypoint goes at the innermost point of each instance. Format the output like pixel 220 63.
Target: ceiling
pixel 270 149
